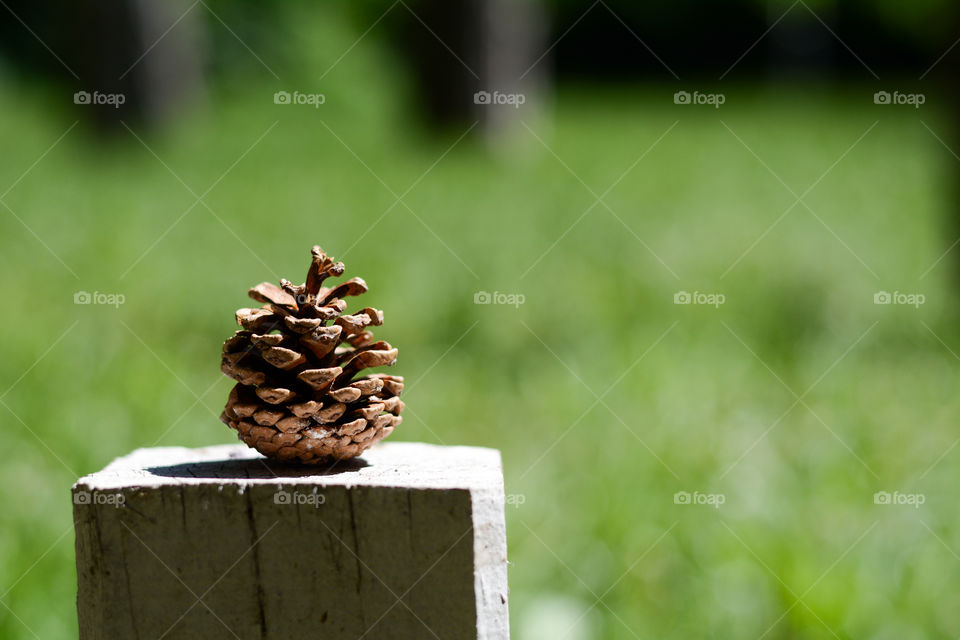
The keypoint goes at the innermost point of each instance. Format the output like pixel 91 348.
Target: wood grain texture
pixel 408 542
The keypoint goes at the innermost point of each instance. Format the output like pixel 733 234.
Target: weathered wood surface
pixel 221 543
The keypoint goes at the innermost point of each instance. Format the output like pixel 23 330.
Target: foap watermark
pixel 497 297
pixel 299 498
pixel 712 99
pixel 99 98
pixel 912 499
pixel 98 297
pixel 699 297
pixel 312 99
pixel 910 299
pixel 496 97
pixel 912 99
pixel 95 497
pixel 515 499
pixel 711 499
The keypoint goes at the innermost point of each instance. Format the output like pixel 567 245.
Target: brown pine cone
pixel 295 362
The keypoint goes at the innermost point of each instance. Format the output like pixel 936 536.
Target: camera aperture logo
pixel 512 99
pixel 497 297
pixel 712 99
pixel 710 499
pixel 910 299
pixel 896 498
pixel 699 297
pixel 98 297
pixel 97 98
pixel 299 498
pixel 312 99
pixel 912 99
pixel 95 497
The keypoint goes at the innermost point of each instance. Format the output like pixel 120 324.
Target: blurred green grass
pixel 691 398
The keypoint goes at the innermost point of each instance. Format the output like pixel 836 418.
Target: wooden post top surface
pixel 411 465
pixel 406 542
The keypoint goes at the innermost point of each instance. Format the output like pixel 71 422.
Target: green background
pixel 604 397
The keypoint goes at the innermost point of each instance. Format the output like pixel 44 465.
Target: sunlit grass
pixel 691 398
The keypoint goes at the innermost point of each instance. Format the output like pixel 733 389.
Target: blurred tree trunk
pixel 950 86
pixel 495 49
pixel 940 83
pixel 799 46
pixel 148 51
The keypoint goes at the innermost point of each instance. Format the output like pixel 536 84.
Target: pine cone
pixel 295 360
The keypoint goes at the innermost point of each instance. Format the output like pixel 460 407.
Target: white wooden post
pixel 222 543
